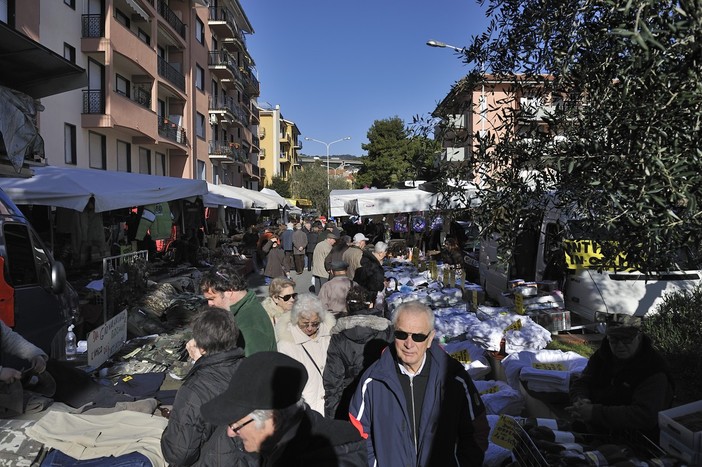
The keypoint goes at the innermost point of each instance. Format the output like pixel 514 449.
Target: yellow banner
pixel 587 254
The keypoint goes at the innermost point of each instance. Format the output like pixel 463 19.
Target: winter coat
pixel 353 257
pixel 286 239
pixel 299 240
pixel 222 451
pixel 310 440
pixel 254 324
pixel 627 395
pixel 320 254
pixel 312 353
pixel 275 265
pixel 312 237
pixel 357 341
pixel 371 274
pixel 332 294
pixel 336 254
pixel 273 310
pixel 187 431
pixel 453 425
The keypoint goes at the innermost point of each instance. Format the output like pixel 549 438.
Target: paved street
pixel 302 283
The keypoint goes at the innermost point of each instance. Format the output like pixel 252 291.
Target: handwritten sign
pixel 555 366
pixel 462 356
pixel 107 339
pixel 515 326
pixel 519 303
pixel 506 432
pixel 490 390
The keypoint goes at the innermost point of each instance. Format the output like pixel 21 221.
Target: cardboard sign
pixel 555 366
pixel 519 303
pixel 462 356
pixel 107 339
pixel 506 432
pixel 516 326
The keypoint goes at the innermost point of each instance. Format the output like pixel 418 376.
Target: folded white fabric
pixel 471 355
pixel 543 370
pixel 91 436
pixel 500 398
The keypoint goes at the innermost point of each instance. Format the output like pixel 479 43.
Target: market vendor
pixel 624 385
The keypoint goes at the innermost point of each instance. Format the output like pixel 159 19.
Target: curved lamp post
pixel 433 43
pixel 345 138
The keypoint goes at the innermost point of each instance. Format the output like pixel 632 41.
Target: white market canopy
pixel 239 198
pixel 72 188
pixel 283 202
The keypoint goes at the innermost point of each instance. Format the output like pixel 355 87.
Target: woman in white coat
pixel 304 335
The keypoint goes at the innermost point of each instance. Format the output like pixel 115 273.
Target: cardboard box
pixel 682 434
pixel 677 449
pixel 552 320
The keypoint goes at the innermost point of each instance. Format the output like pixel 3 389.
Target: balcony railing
pixel 141 96
pixel 167 71
pixel 251 83
pixel 220 148
pixel 229 105
pixel 171 130
pixel 224 58
pixel 222 14
pixel 92 26
pixel 171 18
pixel 255 141
pixel 93 101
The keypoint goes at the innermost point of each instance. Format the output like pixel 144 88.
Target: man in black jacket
pixel 263 407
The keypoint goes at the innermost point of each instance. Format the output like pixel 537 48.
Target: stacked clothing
pixel 519 332
pixel 453 322
pixel 500 398
pixel 543 370
pixel 471 355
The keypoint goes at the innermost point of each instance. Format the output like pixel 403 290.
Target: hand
pixel 10 375
pixel 581 410
pixel 193 350
pixel 38 364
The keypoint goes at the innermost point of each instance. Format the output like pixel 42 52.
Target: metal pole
pixel 328 184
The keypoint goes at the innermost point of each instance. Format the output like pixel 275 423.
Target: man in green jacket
pixel 223 286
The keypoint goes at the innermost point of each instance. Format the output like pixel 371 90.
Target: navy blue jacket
pixel 453 425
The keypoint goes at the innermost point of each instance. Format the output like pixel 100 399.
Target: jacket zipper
pixel 414 416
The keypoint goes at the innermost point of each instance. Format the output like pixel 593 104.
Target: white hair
pixel 380 247
pixel 306 305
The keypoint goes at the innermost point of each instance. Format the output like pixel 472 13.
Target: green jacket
pixel 254 324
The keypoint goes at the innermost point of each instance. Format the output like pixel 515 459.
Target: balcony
pixel 141 96
pixel 255 114
pixel 92 26
pixel 255 141
pixel 171 130
pixel 171 18
pixel 229 109
pixel 251 84
pixel 170 74
pixel 221 22
pixel 224 65
pixel 93 101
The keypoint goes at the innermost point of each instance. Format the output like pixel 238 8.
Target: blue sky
pixel 336 66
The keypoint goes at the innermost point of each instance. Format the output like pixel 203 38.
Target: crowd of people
pixel 331 378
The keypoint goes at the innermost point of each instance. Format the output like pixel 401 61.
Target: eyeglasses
pixel 237 429
pixel 314 325
pixel 417 337
pixel 287 297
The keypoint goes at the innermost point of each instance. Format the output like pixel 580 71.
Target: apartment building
pixel 280 144
pixel 171 88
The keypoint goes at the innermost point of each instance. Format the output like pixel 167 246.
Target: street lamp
pixel 433 43
pixel 345 138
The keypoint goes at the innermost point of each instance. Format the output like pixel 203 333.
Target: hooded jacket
pixel 254 324
pixel 273 310
pixel 453 425
pixel 187 431
pixel 356 342
pixel 312 353
pixel 371 274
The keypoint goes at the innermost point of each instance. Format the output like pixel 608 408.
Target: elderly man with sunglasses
pixel 625 384
pixel 417 406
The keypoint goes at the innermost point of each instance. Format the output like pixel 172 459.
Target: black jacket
pixel 310 440
pixel 371 274
pixel 186 432
pixel 357 341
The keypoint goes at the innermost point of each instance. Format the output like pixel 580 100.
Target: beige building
pixel 171 88
pixel 280 145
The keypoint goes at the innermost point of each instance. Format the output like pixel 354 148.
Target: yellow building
pixel 280 145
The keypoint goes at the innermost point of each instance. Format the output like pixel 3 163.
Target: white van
pixel 586 292
pixel 35 298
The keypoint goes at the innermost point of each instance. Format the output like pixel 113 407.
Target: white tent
pixel 237 197
pixel 71 188
pixel 373 201
pixel 284 203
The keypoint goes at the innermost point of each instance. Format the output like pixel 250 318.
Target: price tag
pixel 516 326
pixel 519 303
pixel 491 390
pixel 462 356
pixel 506 432
pixel 475 300
pixel 555 366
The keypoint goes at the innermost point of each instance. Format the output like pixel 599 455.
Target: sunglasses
pixel 417 337
pixel 287 297
pixel 237 429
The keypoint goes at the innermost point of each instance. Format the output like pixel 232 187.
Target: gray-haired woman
pixel 304 335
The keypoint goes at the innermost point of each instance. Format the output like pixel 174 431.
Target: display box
pixel 553 320
pixel 688 431
pixel 677 449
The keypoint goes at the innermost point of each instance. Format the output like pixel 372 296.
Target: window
pixel 70 3
pixel 69 53
pixel 201 171
pixel 144 161
pixel 199 77
pixel 215 174
pixel 122 85
pixel 97 151
pixel 200 31
pixel 122 18
pixel 124 156
pixel 200 129
pixel 145 38
pixel 160 164
pixel 69 143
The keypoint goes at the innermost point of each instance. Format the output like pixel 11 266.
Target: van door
pixel 39 314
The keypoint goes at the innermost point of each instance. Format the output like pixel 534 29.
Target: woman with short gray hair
pixel 304 335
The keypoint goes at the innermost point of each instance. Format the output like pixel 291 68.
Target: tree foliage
pixel 281 186
pixel 311 183
pixel 627 159
pixel 395 154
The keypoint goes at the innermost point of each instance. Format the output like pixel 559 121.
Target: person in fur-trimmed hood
pixel 280 299
pixel 357 341
pixel 304 335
